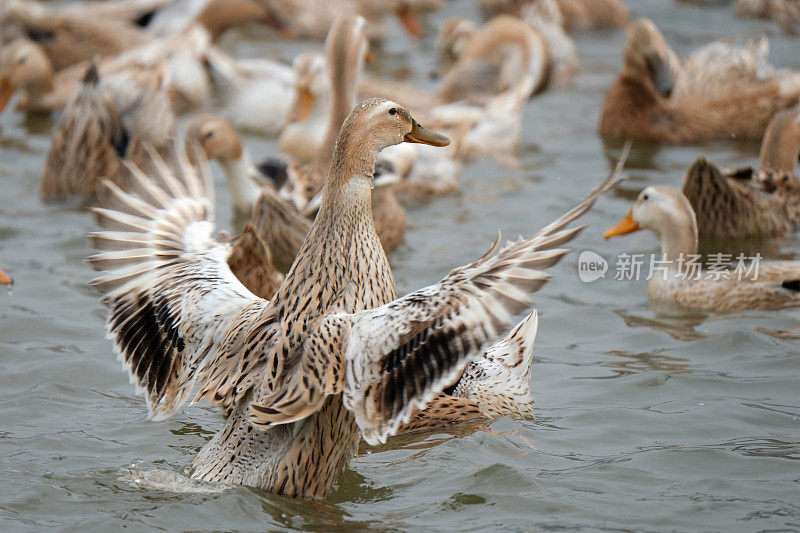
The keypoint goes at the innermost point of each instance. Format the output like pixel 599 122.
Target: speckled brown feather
pixel 251 262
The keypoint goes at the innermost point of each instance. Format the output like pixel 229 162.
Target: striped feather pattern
pixel 399 356
pixel 171 295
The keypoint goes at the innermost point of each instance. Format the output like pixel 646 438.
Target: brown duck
pixel 642 102
pixel 740 202
pixel 335 353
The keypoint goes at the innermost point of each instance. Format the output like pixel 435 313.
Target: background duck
pixel 739 202
pixel 278 222
pixel 258 93
pixel 107 122
pixel 785 12
pixel 573 14
pixel 311 19
pixel 68 38
pixel 307 119
pixel 667 213
pixel 640 103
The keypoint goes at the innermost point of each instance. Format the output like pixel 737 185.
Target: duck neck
pixel 344 61
pixel 677 241
pixel 244 190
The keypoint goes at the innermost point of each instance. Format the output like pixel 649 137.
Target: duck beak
pixel 411 21
pixel 628 225
pixel 369 57
pixel 422 135
pixel 6 92
pixel 5 279
pixel 302 105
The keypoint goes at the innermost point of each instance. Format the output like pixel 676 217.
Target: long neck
pixel 677 240
pixel 344 60
pixel 244 190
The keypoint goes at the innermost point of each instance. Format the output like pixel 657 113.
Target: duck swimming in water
pixel 335 354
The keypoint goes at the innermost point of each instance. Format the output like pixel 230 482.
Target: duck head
pixel 649 57
pixel 23 66
pixel 666 212
pixel 216 138
pixel 310 83
pixel 372 126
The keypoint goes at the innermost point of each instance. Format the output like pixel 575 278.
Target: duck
pixel 218 140
pixel 254 192
pixel 573 15
pixel 785 12
pixel 69 37
pixel 453 36
pixel 742 201
pixel 494 59
pixel 332 357
pixel 641 105
pixel 501 55
pixel 47 86
pixel 665 210
pixel 306 124
pixel 311 19
pixel 258 93
pixel 107 122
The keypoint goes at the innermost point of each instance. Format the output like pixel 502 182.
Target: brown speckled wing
pixel 396 358
pixel 171 294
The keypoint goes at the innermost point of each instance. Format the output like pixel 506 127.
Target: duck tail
pixel 499 381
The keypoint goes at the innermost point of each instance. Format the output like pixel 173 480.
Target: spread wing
pixel 172 297
pixel 393 359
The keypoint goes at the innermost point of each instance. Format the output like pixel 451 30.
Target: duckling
pixel 106 123
pixel 668 213
pixel 785 12
pixel 641 105
pixel 739 202
pixel 335 354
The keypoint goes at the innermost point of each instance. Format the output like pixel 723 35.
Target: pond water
pixel 644 422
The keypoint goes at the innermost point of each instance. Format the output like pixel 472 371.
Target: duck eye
pixel 22 60
pixel 393 111
pixel 209 135
pixel 645 197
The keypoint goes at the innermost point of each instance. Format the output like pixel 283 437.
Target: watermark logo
pixel 718 266
pixel 591 266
